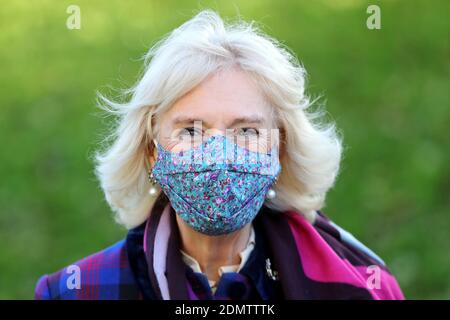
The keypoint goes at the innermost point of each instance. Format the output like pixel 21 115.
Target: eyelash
pixel 246 128
pixel 188 130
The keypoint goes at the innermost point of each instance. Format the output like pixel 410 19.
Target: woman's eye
pixel 247 132
pixel 190 131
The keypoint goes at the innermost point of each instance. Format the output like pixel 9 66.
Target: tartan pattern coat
pixel 105 275
pixel 313 261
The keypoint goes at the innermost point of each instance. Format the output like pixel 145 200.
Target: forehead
pixel 223 97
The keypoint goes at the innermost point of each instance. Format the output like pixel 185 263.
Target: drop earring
pixel 152 191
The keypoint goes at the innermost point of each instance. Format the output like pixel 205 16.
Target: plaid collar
pixel 143 267
pixel 253 271
pixel 278 242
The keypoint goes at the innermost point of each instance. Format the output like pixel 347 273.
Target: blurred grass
pixel 388 91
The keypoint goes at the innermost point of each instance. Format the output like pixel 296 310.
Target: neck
pixel 212 252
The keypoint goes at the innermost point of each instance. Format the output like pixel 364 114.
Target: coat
pixel 317 260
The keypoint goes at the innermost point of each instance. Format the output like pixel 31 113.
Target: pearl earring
pixel 271 194
pixel 152 191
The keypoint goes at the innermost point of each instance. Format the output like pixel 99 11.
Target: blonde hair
pixel 177 64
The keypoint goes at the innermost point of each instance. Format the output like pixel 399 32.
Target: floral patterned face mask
pixel 216 187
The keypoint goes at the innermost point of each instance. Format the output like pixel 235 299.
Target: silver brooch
pixel 271 273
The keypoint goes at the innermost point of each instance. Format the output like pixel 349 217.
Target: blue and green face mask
pixel 216 187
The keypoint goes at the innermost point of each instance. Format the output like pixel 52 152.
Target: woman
pixel 218 132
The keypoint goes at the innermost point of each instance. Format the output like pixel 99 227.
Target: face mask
pixel 216 187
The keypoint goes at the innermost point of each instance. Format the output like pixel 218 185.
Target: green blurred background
pixel 388 91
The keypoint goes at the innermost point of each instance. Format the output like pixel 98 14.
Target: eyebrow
pixel 253 119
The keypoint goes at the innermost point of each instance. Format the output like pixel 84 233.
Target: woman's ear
pixel 153 153
pixel 152 150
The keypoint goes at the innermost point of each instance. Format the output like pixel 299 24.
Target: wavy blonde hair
pixel 311 150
